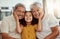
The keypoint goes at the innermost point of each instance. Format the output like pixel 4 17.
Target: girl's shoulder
pixel 35 25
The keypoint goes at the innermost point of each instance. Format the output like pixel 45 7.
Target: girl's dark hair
pixel 34 20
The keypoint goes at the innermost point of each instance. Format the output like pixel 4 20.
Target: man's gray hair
pixel 18 5
pixel 37 4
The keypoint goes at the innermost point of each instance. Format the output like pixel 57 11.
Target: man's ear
pixel 13 9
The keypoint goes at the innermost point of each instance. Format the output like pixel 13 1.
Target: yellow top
pixel 29 32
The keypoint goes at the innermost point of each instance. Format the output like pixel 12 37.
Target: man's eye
pixel 18 11
pixel 22 11
pixel 33 11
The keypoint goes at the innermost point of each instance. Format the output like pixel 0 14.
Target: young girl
pixel 27 27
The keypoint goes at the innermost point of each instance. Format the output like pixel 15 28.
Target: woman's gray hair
pixel 37 4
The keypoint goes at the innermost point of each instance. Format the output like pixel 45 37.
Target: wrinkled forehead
pixel 34 8
pixel 21 9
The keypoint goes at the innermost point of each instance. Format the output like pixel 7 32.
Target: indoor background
pixel 51 7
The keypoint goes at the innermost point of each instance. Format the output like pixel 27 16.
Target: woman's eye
pixel 37 10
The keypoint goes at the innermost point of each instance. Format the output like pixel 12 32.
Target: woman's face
pixel 35 12
pixel 28 17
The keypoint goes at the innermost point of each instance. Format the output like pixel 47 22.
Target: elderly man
pixel 49 24
pixel 8 26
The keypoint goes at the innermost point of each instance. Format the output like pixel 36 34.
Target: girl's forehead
pixel 28 13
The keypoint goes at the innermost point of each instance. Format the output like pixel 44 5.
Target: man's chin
pixel 20 18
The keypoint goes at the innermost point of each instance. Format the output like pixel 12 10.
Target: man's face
pixel 35 12
pixel 20 12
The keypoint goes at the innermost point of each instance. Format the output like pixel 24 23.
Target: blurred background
pixel 51 7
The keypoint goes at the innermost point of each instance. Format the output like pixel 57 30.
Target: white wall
pixel 11 3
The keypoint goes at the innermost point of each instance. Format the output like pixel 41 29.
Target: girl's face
pixel 28 17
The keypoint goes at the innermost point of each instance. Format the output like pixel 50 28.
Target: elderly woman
pixel 49 24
